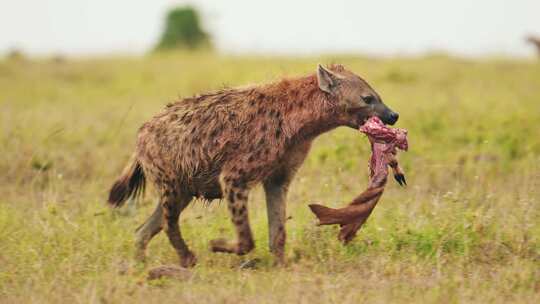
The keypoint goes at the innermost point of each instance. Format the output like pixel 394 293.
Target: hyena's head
pixel 357 101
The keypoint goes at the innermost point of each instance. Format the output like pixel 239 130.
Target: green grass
pixel 467 229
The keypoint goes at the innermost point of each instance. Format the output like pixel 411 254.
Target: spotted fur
pixel 220 145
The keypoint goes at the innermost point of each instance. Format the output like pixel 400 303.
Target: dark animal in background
pixel 534 41
pixel 221 145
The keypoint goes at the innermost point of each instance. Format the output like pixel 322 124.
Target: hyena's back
pixel 191 141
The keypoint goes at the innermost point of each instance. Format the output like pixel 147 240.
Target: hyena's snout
pixel 386 114
pixel 390 117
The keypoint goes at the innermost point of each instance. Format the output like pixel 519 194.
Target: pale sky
pixel 376 27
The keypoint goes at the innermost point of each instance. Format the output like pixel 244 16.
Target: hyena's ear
pixel 327 79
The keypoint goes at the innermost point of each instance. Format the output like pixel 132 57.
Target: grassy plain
pixel 467 228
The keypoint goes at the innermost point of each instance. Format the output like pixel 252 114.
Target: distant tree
pixel 183 30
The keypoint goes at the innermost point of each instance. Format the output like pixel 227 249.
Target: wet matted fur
pixel 220 145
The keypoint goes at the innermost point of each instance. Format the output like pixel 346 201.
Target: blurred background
pixel 460 27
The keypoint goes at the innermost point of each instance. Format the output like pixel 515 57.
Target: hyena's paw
pixel 189 260
pixel 222 245
pixel 140 255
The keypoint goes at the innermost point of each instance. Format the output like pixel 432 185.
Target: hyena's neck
pixel 308 126
pixel 309 111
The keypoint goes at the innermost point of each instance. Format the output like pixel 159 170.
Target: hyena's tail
pixel 129 185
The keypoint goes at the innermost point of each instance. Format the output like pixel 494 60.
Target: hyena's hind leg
pixel 236 193
pixel 173 202
pixel 152 226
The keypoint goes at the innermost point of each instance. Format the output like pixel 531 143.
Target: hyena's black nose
pixel 392 117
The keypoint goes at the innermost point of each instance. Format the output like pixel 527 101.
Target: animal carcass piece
pixel 384 144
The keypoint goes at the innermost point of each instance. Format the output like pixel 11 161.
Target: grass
pixel 467 229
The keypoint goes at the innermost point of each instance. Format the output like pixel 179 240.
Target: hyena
pixel 222 144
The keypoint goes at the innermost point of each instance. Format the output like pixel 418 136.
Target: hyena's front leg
pixel 276 192
pixel 276 188
pixel 236 193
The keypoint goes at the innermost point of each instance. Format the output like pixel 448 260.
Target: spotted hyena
pixel 222 144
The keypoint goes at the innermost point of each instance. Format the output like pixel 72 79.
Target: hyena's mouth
pixel 362 119
pixel 358 121
pixel 357 118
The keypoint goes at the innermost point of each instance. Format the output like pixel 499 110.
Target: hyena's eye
pixel 369 99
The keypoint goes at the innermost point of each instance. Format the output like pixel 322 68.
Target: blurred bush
pixel 183 30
